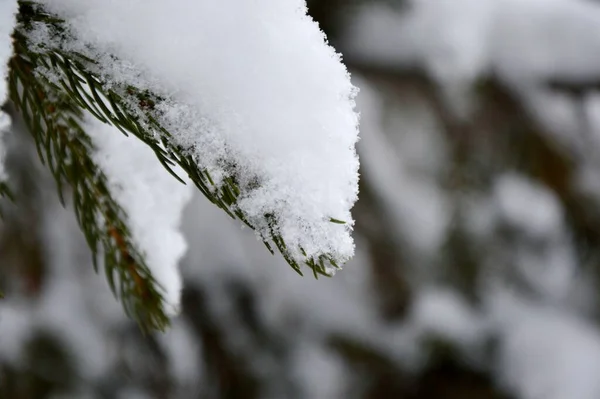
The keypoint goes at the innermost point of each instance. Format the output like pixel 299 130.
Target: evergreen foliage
pixel 54 90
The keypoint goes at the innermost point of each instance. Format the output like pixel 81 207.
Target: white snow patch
pixel 152 199
pixel 418 206
pixel 183 353
pixel 8 9
pixel 16 325
pixel 528 206
pixel 460 40
pixel 546 352
pixel 442 313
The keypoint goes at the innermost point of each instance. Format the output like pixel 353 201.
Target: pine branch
pixel 54 119
pixel 135 111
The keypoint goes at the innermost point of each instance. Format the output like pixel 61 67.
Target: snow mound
pixel 251 89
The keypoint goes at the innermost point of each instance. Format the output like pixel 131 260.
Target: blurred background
pixel 478 237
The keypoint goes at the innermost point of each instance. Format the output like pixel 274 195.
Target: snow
pixel 66 307
pixel 541 39
pixel 152 199
pixel 183 352
pixel 528 206
pixel 15 321
pixel 546 347
pixel 546 352
pixel 529 333
pixel 8 9
pixel 461 40
pixel 541 351
pixel 442 313
pixel 75 304
pixel 524 43
pixel 253 83
pixel 419 209
pixel 446 38
pixel 320 373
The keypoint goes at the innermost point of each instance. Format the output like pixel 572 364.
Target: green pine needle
pixel 52 89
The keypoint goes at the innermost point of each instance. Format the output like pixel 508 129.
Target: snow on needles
pixel 8 9
pixel 249 82
pixel 152 199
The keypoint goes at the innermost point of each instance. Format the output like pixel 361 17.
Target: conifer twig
pixel 54 120
pixel 135 111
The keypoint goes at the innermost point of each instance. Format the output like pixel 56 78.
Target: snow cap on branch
pixel 253 91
